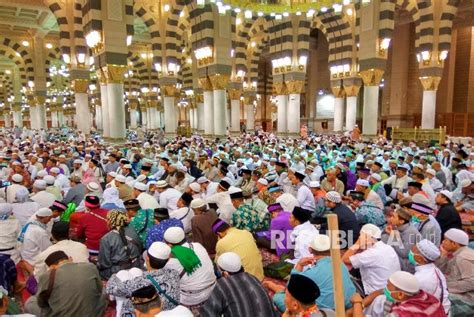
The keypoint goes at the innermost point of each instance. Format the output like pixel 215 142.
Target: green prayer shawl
pixel 187 257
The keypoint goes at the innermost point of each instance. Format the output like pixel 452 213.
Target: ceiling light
pixel 167 7
pixel 25 43
pixel 49 46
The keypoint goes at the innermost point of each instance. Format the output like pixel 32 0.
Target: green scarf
pixel 188 259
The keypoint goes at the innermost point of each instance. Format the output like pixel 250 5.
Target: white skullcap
pixel 174 235
pixel 39 184
pixel 230 262
pixel 202 180
pixel 466 183
pixel 17 178
pixel 263 181
pixel 49 179
pixel 371 230
pixel 123 275
pixel 405 281
pixel 195 187
pixel 135 272
pixel 41 173
pixel 314 184
pixel 128 166
pixel 55 170
pixel 92 186
pixel 428 250
pixel 44 212
pixel 431 171
pixel 161 184
pixel 447 193
pixel 87 155
pixel 16 163
pixel 5 209
pixel 198 203
pixel 420 166
pixel 178 311
pixel 140 186
pixel 333 196
pixel 113 174
pixel 310 167
pixel 362 182
pixel 321 242
pixel 457 235
pixel 22 193
pixel 159 250
pixel 77 161
pixel 141 178
pixel 376 176
pixel 120 178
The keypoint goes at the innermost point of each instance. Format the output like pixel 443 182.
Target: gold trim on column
pixel 79 86
pixel 430 82
pixel 234 94
pixel 352 90
pixel 205 83
pixel 199 98
pixel 133 105
pixel 249 100
pixel 114 74
pixel 371 77
pixel 338 91
pixel 101 77
pixel 279 89
pixel 219 81
pixel 169 90
pixel 295 86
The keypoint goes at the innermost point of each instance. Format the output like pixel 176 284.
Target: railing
pixel 460 124
pixel 419 135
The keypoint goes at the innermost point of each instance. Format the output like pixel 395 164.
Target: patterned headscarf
pixel 117 218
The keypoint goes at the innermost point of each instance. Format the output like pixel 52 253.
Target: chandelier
pixel 278 8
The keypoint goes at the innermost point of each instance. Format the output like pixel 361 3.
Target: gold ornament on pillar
pixel 133 105
pixel 430 82
pixel 80 86
pixel 338 91
pixel 219 81
pixel 234 94
pixel 31 101
pixel 205 84
pixel 16 107
pixel 114 74
pixel 101 77
pixel 279 89
pixel 169 90
pixel 249 100
pixel 371 77
pixel 295 86
pixel 199 98
pixel 352 90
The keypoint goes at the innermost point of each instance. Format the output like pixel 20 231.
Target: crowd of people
pixel 234 227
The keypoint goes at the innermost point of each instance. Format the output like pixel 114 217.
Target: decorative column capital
pixel 205 83
pixel 80 86
pixel 16 107
pixel 101 77
pixel 133 105
pixel 169 90
pixel 114 74
pixel 371 77
pixel 248 100
pixel 279 88
pixel 430 82
pixel 234 94
pixel 295 86
pixel 219 81
pixel 338 91
pixel 199 98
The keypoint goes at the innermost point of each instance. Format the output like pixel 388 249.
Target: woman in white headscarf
pixel 112 200
pixel 9 231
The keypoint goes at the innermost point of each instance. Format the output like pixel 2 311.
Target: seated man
pixel 457 262
pixel 317 267
pixel 246 216
pixel 280 230
pixel 402 296
pixel 300 298
pixel 228 300
pixel 302 234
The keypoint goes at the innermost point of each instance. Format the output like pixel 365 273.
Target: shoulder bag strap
pixel 187 213
pixel 52 277
pixel 160 290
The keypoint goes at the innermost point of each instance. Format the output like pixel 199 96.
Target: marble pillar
pixel 54 119
pixel 235 116
pixel 83 115
pixel 351 92
pixel 282 106
pixel 133 117
pixel 428 115
pixel 105 110
pixel 338 92
pixel 116 107
pixel 250 117
pixel 170 115
pixel 144 114
pixel 371 79
pixel 220 106
pixel 208 113
pixel 293 114
pixel 7 119
pixel 98 117
pixel 200 116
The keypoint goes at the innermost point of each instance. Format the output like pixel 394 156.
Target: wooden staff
pixel 336 265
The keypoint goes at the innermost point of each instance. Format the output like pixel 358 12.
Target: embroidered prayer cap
pixel 17 178
pixel 447 194
pixel 371 230
pixel 320 243
pixel 333 196
pixel 140 186
pixel 174 235
pixel 120 178
pixel 457 235
pixel 198 203
pixel 428 250
pixel 230 262
pixel 93 186
pixel 159 250
pixel 44 212
pixel 405 282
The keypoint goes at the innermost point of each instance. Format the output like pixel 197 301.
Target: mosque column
pixel 295 88
pixel 159 115
pixel 104 104
pixel 114 75
pixel 338 92
pixel 171 121
pixel 191 116
pixel 208 116
pixel 144 112
pixel 7 118
pixel 430 86
pixel 34 119
pixel 39 82
pixel 17 117
pixel 249 108
pixel 83 115
pixel 200 113
pixel 282 107
pixel 235 95
pixel 54 116
pixel 371 79
pixel 219 83
pixel 41 111
pixel 351 90
pixel 132 107
pixel 60 112
pixel 98 116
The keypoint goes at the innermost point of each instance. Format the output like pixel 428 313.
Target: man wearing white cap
pixel 77 168
pixel 194 266
pixel 434 182
pixel 363 185
pixel 208 188
pixel 8 193
pixel 61 182
pixel 447 216
pixel 402 296
pixel 375 259
pixel 230 296
pixel 145 200
pixel 125 191
pixel 52 188
pixel 431 279
pixel 168 196
pixel 40 195
pixel 23 207
pixel 457 263
pixel 9 230
pixel 35 237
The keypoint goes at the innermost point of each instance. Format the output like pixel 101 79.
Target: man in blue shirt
pixel 317 267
